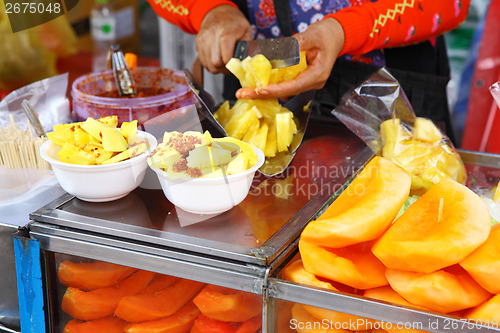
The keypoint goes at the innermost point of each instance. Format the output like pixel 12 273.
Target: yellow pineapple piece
pixel 260 138
pixel 223 114
pixel 283 130
pixel 129 131
pixel 58 127
pixel 257 69
pixel 99 153
pixel 271 141
pixel 288 73
pixel 61 136
pixel 496 197
pixel 235 67
pixel 81 136
pixel 70 153
pixel 425 130
pixel 238 126
pixel 111 121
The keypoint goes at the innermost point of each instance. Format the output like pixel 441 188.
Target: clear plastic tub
pixel 87 90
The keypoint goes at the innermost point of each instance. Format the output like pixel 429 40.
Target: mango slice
pixel 365 209
pixel 438 230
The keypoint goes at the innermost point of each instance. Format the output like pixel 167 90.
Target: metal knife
pixel 281 52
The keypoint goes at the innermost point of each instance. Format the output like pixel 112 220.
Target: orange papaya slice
pixel 487 313
pixel 438 230
pixel 109 324
pixel 180 322
pixel 447 290
pixel 295 272
pixel 99 303
pixel 364 210
pixel 163 303
pixel 304 322
pixel 252 325
pixel 160 282
pixel 354 265
pixel 387 294
pixel 92 275
pixel 203 324
pixel 227 304
pixel 484 263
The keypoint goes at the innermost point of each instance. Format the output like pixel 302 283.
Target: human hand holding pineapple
pixel 321 44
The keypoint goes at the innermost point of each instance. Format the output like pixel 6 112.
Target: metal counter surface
pixel 256 231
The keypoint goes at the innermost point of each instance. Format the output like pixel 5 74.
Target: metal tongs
pixel 33 118
pixel 121 71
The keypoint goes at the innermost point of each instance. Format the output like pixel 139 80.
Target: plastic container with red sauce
pixel 87 102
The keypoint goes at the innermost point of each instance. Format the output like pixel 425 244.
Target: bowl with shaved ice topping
pixel 205 175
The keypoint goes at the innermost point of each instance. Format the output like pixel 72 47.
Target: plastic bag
pixel 48 98
pixel 379 113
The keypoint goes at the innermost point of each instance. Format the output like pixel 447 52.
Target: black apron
pixel 421 69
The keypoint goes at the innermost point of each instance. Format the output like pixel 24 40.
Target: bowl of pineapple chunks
pixel 204 175
pixel 95 160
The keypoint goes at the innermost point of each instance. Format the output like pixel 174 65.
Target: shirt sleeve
pixel 186 14
pixel 393 23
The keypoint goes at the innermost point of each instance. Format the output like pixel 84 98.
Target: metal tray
pixel 483 171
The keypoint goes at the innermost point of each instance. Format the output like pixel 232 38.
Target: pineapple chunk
pixel 94 127
pixel 425 130
pixel 111 121
pixel 496 197
pixel 271 142
pixel 238 126
pixel 283 130
pixel 234 66
pixel 257 71
pixel 259 139
pixel 223 114
pixel 81 136
pixel 61 136
pixel 70 153
pixel 58 127
pixel 99 153
pixel 129 131
pixel 137 149
pixel 289 73
pixel 208 156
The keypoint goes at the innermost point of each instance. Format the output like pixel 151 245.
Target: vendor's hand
pixel 322 42
pixel 220 29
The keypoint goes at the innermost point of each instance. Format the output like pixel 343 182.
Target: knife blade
pixel 281 52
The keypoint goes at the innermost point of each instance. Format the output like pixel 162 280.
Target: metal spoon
pixel 33 118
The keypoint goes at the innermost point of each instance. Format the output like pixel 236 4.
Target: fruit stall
pixel 373 222
pixel 245 260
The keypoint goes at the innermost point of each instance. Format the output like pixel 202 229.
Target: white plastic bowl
pixel 99 183
pixel 208 195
